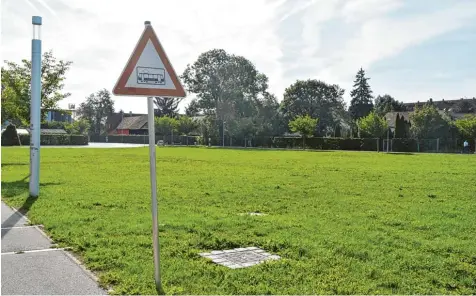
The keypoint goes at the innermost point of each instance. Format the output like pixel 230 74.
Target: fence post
pixel 437 145
pixel 388 138
pixel 378 145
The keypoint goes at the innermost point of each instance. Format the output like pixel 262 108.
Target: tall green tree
pixel 305 125
pixel 166 125
pixel 16 91
pixel 78 127
pixel 217 77
pixel 467 126
pixel 241 128
pixel 228 88
pixel 361 103
pixel 95 110
pixel 166 106
pixel 386 103
pixel 316 99
pixel 193 108
pixel 427 122
pixel 269 120
pixel 186 125
pixel 372 126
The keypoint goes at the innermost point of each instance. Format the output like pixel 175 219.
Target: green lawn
pixel 344 222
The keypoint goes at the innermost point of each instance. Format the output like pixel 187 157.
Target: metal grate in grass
pixel 240 257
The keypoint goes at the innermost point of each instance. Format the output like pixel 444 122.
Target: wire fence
pixel 356 144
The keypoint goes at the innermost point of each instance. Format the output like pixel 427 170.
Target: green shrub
pixel 79 140
pixel 128 139
pixel 10 136
pixel 404 145
pixel 24 140
pixel 57 140
pixel 327 143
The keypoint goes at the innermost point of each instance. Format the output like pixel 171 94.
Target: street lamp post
pixel 35 112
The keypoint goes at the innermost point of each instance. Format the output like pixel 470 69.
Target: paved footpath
pixel 31 266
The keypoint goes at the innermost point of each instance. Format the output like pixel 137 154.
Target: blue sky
pixel 412 50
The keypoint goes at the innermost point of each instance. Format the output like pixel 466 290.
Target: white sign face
pixel 150 71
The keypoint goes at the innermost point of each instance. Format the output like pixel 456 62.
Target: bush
pixel 79 140
pixel 57 140
pixel 127 139
pixel 404 145
pixel 10 136
pixel 327 143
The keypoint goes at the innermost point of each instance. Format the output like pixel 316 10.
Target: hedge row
pixel 143 139
pixel 327 143
pixel 139 139
pixel 56 140
pixel 396 145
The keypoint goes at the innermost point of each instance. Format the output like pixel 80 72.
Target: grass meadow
pixel 343 222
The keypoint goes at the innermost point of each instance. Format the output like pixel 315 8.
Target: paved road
pixel 31 266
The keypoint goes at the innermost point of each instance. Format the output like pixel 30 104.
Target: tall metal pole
pixel 153 186
pixel 35 112
pixel 223 133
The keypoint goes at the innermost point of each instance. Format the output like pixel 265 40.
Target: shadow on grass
pixel 13 164
pixel 264 149
pixel 15 188
pixel 401 153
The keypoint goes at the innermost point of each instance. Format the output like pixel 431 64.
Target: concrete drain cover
pixel 240 258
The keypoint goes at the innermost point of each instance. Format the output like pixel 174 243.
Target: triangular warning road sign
pixel 149 72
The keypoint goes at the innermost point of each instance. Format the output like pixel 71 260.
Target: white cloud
pixel 358 10
pixel 381 38
pixel 286 39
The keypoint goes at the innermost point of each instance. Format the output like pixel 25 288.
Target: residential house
pixel 127 124
pixel 61 115
pixel 52 131
pixel 468 105
pixel 135 125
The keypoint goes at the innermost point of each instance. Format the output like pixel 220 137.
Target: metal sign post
pixel 149 73
pixel 35 108
pixel 153 188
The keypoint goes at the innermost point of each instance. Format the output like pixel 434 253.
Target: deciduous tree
pixel 428 123
pixel 467 126
pixel 166 125
pixel 316 99
pixel 95 110
pixel 372 126
pixel 186 125
pixel 217 77
pixel 386 103
pixel 16 91
pixel 305 125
